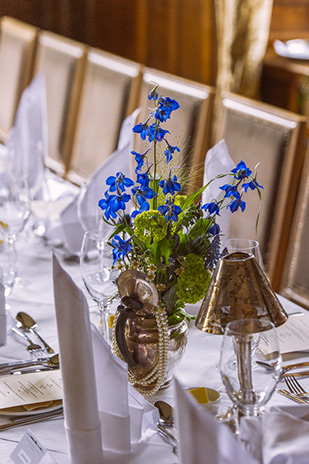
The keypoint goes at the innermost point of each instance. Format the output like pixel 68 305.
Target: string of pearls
pixel 150 383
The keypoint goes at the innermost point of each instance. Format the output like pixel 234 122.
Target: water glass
pixel 248 383
pixel 245 245
pixel 98 274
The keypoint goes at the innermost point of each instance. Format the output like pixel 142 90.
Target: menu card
pixel 293 335
pixel 38 387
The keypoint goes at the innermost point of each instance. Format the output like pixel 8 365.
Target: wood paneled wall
pixel 177 36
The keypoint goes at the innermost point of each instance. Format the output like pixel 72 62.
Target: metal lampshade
pixel 239 289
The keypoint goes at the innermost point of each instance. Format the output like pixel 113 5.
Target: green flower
pixel 193 282
pixel 150 226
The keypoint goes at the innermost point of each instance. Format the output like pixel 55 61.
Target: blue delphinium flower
pixel 241 171
pixel 142 194
pixel 156 133
pixel 237 203
pixel 253 184
pixel 119 182
pixel 120 247
pixel 170 185
pixel 170 211
pixel 165 107
pixel 230 190
pixel 105 205
pixel 214 229
pixel 142 128
pixel 113 203
pixel 140 158
pixel 169 151
pixel 212 208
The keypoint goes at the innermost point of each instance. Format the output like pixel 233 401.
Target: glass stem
pixel 104 313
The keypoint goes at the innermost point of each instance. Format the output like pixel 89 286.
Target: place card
pixel 38 387
pixel 293 335
pixel 30 451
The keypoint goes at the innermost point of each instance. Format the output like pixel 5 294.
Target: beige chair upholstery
pixel 295 278
pixel 258 133
pixel 189 126
pixel 17 47
pixel 61 60
pixel 109 94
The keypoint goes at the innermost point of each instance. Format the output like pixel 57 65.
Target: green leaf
pixel 193 196
pixel 161 248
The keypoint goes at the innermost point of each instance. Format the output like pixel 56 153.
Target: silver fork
pixel 33 348
pixel 294 386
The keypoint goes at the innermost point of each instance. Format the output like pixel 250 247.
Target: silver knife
pixel 28 362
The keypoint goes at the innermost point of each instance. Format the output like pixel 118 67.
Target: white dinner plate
pixel 297 49
pixel 20 411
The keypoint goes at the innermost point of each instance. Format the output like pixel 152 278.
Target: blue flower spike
pixel 142 129
pixel 169 151
pixel 237 203
pixel 253 184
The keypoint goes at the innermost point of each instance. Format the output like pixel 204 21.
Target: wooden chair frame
pixel 55 50
pixel 292 284
pixel 19 39
pixel 293 128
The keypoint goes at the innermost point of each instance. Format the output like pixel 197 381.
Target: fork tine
pixel 294 386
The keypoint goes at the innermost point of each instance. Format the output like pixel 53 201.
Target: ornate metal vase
pixel 142 336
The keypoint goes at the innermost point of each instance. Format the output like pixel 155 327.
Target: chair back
pixel 259 133
pixel 109 94
pixel 295 277
pixel 17 47
pixel 61 60
pixel 189 126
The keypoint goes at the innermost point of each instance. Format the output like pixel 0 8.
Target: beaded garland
pixel 157 374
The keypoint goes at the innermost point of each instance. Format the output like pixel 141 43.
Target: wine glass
pixel 14 206
pixel 98 274
pixel 249 384
pixel 246 245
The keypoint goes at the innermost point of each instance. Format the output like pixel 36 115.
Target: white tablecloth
pixel 35 295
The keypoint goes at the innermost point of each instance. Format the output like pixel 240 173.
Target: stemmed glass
pixel 246 245
pixel 248 383
pixel 14 206
pixel 98 274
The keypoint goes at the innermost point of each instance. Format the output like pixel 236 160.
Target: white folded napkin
pixel 82 422
pixel 279 436
pixel 201 437
pixel 95 386
pixel 3 319
pixel 125 414
pixel 27 140
pixel 218 161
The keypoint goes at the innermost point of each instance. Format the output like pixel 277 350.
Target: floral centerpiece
pixel 169 238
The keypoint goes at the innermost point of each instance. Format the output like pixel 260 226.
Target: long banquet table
pixel 35 296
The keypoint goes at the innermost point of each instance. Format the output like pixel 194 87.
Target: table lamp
pixel 239 289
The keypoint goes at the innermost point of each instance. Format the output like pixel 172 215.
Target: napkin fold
pixel 217 161
pixel 200 435
pixel 82 422
pixel 28 138
pixel 279 436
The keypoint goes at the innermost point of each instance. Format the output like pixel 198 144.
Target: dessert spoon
pixel 26 322
pixel 32 347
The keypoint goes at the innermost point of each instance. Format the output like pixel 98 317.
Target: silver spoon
pixel 166 420
pixel 27 323
pixel 166 413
